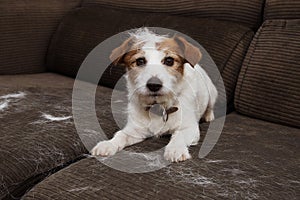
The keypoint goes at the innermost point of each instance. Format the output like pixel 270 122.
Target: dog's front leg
pixel 177 149
pixel 121 139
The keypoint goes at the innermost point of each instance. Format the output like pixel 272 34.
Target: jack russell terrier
pixel 168 91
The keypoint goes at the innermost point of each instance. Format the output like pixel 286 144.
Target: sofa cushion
pixel 26 28
pixel 279 9
pixel 37 135
pixel 85 28
pixel 253 159
pixel 243 11
pixel 269 82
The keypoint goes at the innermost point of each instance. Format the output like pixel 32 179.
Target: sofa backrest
pixel 84 28
pixel 25 30
pixel 269 83
pixel 246 12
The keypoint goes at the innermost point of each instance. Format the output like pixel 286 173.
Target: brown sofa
pixel 255 45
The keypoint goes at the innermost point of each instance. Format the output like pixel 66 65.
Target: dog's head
pixel 155 65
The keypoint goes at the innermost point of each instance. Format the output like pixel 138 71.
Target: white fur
pixel 195 97
pixel 4 105
pixel 52 118
pixel 13 95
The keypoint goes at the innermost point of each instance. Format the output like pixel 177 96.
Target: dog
pixel 168 91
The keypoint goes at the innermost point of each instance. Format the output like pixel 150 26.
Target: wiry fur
pixel 185 85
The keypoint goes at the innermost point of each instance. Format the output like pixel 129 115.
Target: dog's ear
pixel 191 53
pixel 118 53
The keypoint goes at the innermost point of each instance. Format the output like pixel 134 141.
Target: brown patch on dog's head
pixel 127 53
pixel 172 50
pixel 130 58
pixel 180 46
pixel 177 68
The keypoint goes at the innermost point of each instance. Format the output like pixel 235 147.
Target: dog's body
pixel 168 92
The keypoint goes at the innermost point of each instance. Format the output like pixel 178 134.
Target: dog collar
pixel 161 111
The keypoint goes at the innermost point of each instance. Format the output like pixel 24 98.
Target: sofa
pixel 256 47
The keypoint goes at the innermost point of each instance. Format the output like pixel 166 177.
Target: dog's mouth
pixel 147 97
pixel 151 98
pixel 155 94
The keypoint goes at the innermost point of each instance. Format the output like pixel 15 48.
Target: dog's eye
pixel 169 61
pixel 140 61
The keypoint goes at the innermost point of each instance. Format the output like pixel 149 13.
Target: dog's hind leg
pixel 213 94
pixel 209 114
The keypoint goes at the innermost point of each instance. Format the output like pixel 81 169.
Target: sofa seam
pixel 235 47
pixel 43 175
pixel 255 40
pixel 233 51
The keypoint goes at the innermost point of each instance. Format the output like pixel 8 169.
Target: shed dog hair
pixel 168 91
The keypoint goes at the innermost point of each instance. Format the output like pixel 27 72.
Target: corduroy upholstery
pixel 279 9
pixel 254 159
pixel 269 82
pixel 243 11
pixel 30 144
pixel 259 162
pixel 85 28
pixel 26 27
pixel 33 146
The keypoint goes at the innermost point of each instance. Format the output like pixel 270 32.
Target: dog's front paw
pixel 176 153
pixel 104 148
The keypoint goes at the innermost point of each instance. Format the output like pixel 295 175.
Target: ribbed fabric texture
pixel 269 82
pixel 85 28
pixel 282 9
pixel 243 11
pixel 231 70
pixel 26 27
pixel 243 165
pixel 32 145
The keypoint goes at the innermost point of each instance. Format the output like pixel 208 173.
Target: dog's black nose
pixel 154 84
